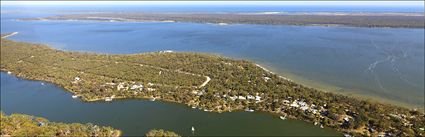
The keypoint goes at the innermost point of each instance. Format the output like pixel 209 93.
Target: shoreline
pixel 335 89
pixel 308 83
pixel 9 35
pixel 298 93
pixel 329 19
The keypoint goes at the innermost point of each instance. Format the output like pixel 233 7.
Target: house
pixel 241 97
pixel 76 79
pixel 41 124
pixel 303 105
pixel 266 79
pixel 166 51
pixel 110 83
pixel 233 98
pixel 140 87
pixel 295 104
pixel 120 86
pixel 257 99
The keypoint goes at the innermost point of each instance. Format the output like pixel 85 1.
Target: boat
pixel 74 96
pixel 108 99
pixel 42 84
pixel 321 126
pixel 193 129
pixel 9 72
pixel 249 110
pixel 152 99
pixel 283 117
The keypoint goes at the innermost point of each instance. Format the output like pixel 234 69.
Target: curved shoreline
pixel 198 100
pixel 325 87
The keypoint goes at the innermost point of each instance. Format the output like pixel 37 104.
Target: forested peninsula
pixel 30 126
pixel 356 19
pixel 206 82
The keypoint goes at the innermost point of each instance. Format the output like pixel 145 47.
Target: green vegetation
pixel 161 133
pixel 399 20
pixel 25 125
pixel 184 78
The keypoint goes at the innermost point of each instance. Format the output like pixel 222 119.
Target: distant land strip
pixel 356 19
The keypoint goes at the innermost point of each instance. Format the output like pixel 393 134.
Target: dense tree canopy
pixel 161 133
pixel 207 82
pixel 25 125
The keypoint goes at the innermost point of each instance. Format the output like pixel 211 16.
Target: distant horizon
pixel 219 3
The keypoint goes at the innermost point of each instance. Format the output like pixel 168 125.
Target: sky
pixel 298 3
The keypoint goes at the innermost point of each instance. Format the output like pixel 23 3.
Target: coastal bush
pixel 177 77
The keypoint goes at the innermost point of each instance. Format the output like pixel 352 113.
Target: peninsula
pixel 26 125
pixel 206 82
pixel 361 19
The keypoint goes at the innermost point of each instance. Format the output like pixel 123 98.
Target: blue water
pixel 380 62
pixel 136 117
pixel 383 63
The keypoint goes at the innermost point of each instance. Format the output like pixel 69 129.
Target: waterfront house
pixel 241 97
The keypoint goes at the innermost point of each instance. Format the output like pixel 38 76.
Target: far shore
pixel 356 19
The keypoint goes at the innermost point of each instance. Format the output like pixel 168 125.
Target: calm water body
pixel 136 117
pixel 383 63
pixel 379 62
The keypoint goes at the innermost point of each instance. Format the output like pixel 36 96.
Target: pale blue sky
pixel 307 3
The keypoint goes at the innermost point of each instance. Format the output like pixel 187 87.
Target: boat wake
pixel 392 55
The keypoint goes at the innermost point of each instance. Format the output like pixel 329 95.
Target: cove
pixel 136 117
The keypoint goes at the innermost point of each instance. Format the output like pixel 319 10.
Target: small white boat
pixel 194 107
pixel 74 96
pixel 249 110
pixel 193 129
pixel 152 99
pixel 283 117
pixel 42 84
pixel 315 123
pixel 321 126
pixel 108 99
pixel 9 72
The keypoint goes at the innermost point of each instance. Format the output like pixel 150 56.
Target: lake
pixel 386 64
